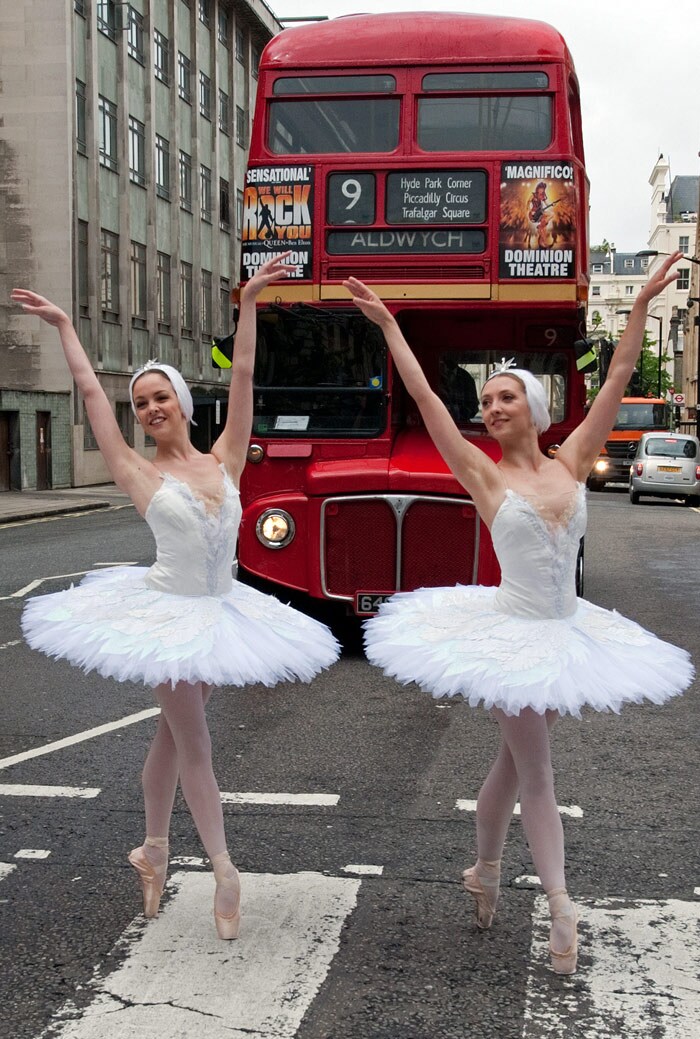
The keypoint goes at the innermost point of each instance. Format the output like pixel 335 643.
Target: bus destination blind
pixel 436 197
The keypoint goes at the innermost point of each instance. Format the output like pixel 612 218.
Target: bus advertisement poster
pixel 537 232
pixel 277 207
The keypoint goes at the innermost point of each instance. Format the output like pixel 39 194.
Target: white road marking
pixel 24 790
pixel 574 811
pixel 6 868
pixel 527 880
pixel 54 516
pixel 15 642
pixel 364 871
pixel 21 592
pixel 32 853
pixel 79 737
pixel 696 892
pixel 178 979
pixel 189 860
pixel 302 800
pixel 637 973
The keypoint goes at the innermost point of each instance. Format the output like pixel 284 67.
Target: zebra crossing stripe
pixel 177 978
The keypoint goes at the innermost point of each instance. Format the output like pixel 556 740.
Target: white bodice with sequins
pixel 195 541
pixel 537 551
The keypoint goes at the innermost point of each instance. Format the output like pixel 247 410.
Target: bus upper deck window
pixel 334 85
pixel 333 125
pixel 480 123
pixel 463 81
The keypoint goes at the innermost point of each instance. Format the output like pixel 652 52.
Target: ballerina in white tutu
pixel 184 625
pixel 529 650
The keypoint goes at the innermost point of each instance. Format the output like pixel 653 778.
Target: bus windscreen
pixel 318 373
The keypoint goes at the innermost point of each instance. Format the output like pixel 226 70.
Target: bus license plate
pixel 368 603
pixel 669 468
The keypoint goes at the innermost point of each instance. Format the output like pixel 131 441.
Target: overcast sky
pixel 637 65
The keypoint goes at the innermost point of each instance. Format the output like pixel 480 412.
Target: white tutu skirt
pixel 114 624
pixel 455 642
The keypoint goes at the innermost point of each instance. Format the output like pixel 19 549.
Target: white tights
pixel 181 749
pixel 523 767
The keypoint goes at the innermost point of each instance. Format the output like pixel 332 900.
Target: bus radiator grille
pixel 438 543
pixel 360 547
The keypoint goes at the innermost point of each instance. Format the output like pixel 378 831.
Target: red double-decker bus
pixel 439 158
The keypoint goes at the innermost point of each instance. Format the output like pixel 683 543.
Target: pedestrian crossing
pixel 638 965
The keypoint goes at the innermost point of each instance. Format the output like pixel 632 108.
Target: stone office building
pixel 123 145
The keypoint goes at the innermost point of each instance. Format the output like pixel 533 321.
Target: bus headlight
pixel 275 528
pixel 600 466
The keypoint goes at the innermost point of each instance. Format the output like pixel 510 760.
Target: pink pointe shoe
pixel 562 908
pixel 152 877
pixel 482 882
pixel 226 874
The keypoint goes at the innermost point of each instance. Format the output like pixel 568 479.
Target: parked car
pixel 666 465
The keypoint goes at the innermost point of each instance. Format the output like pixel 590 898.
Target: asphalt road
pixel 382 945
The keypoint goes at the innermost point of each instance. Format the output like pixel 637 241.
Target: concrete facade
pixel 123 147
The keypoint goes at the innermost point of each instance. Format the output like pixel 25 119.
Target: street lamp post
pixel 655 317
pixel 639 365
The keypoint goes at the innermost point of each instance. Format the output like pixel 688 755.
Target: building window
pixel 595 290
pixel 223 111
pixel 162 167
pixel 108 133
pixel 683 281
pixel 161 57
pixel 109 275
pixel 205 304
pixel 79 7
pixel 204 11
pixel 223 26
pixel 597 268
pixel 205 193
pixel 184 77
pixel 163 292
pixel 185 181
pixel 107 18
pixel 137 151
pixel 83 296
pixel 224 205
pixel 629 290
pixel 239 213
pixel 240 126
pixel 256 61
pixel 135 35
pixel 186 298
pixel 89 439
pixel 224 305
pixel 125 421
pixel 629 264
pixel 204 95
pixel 240 46
pixel 80 117
pixel 138 285
pixel 684 243
pixel 645 262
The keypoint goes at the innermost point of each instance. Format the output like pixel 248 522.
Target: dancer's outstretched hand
pixel 368 302
pixel 272 270
pixel 660 279
pixel 33 303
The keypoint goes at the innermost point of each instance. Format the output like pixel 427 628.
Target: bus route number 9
pixel 351 198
